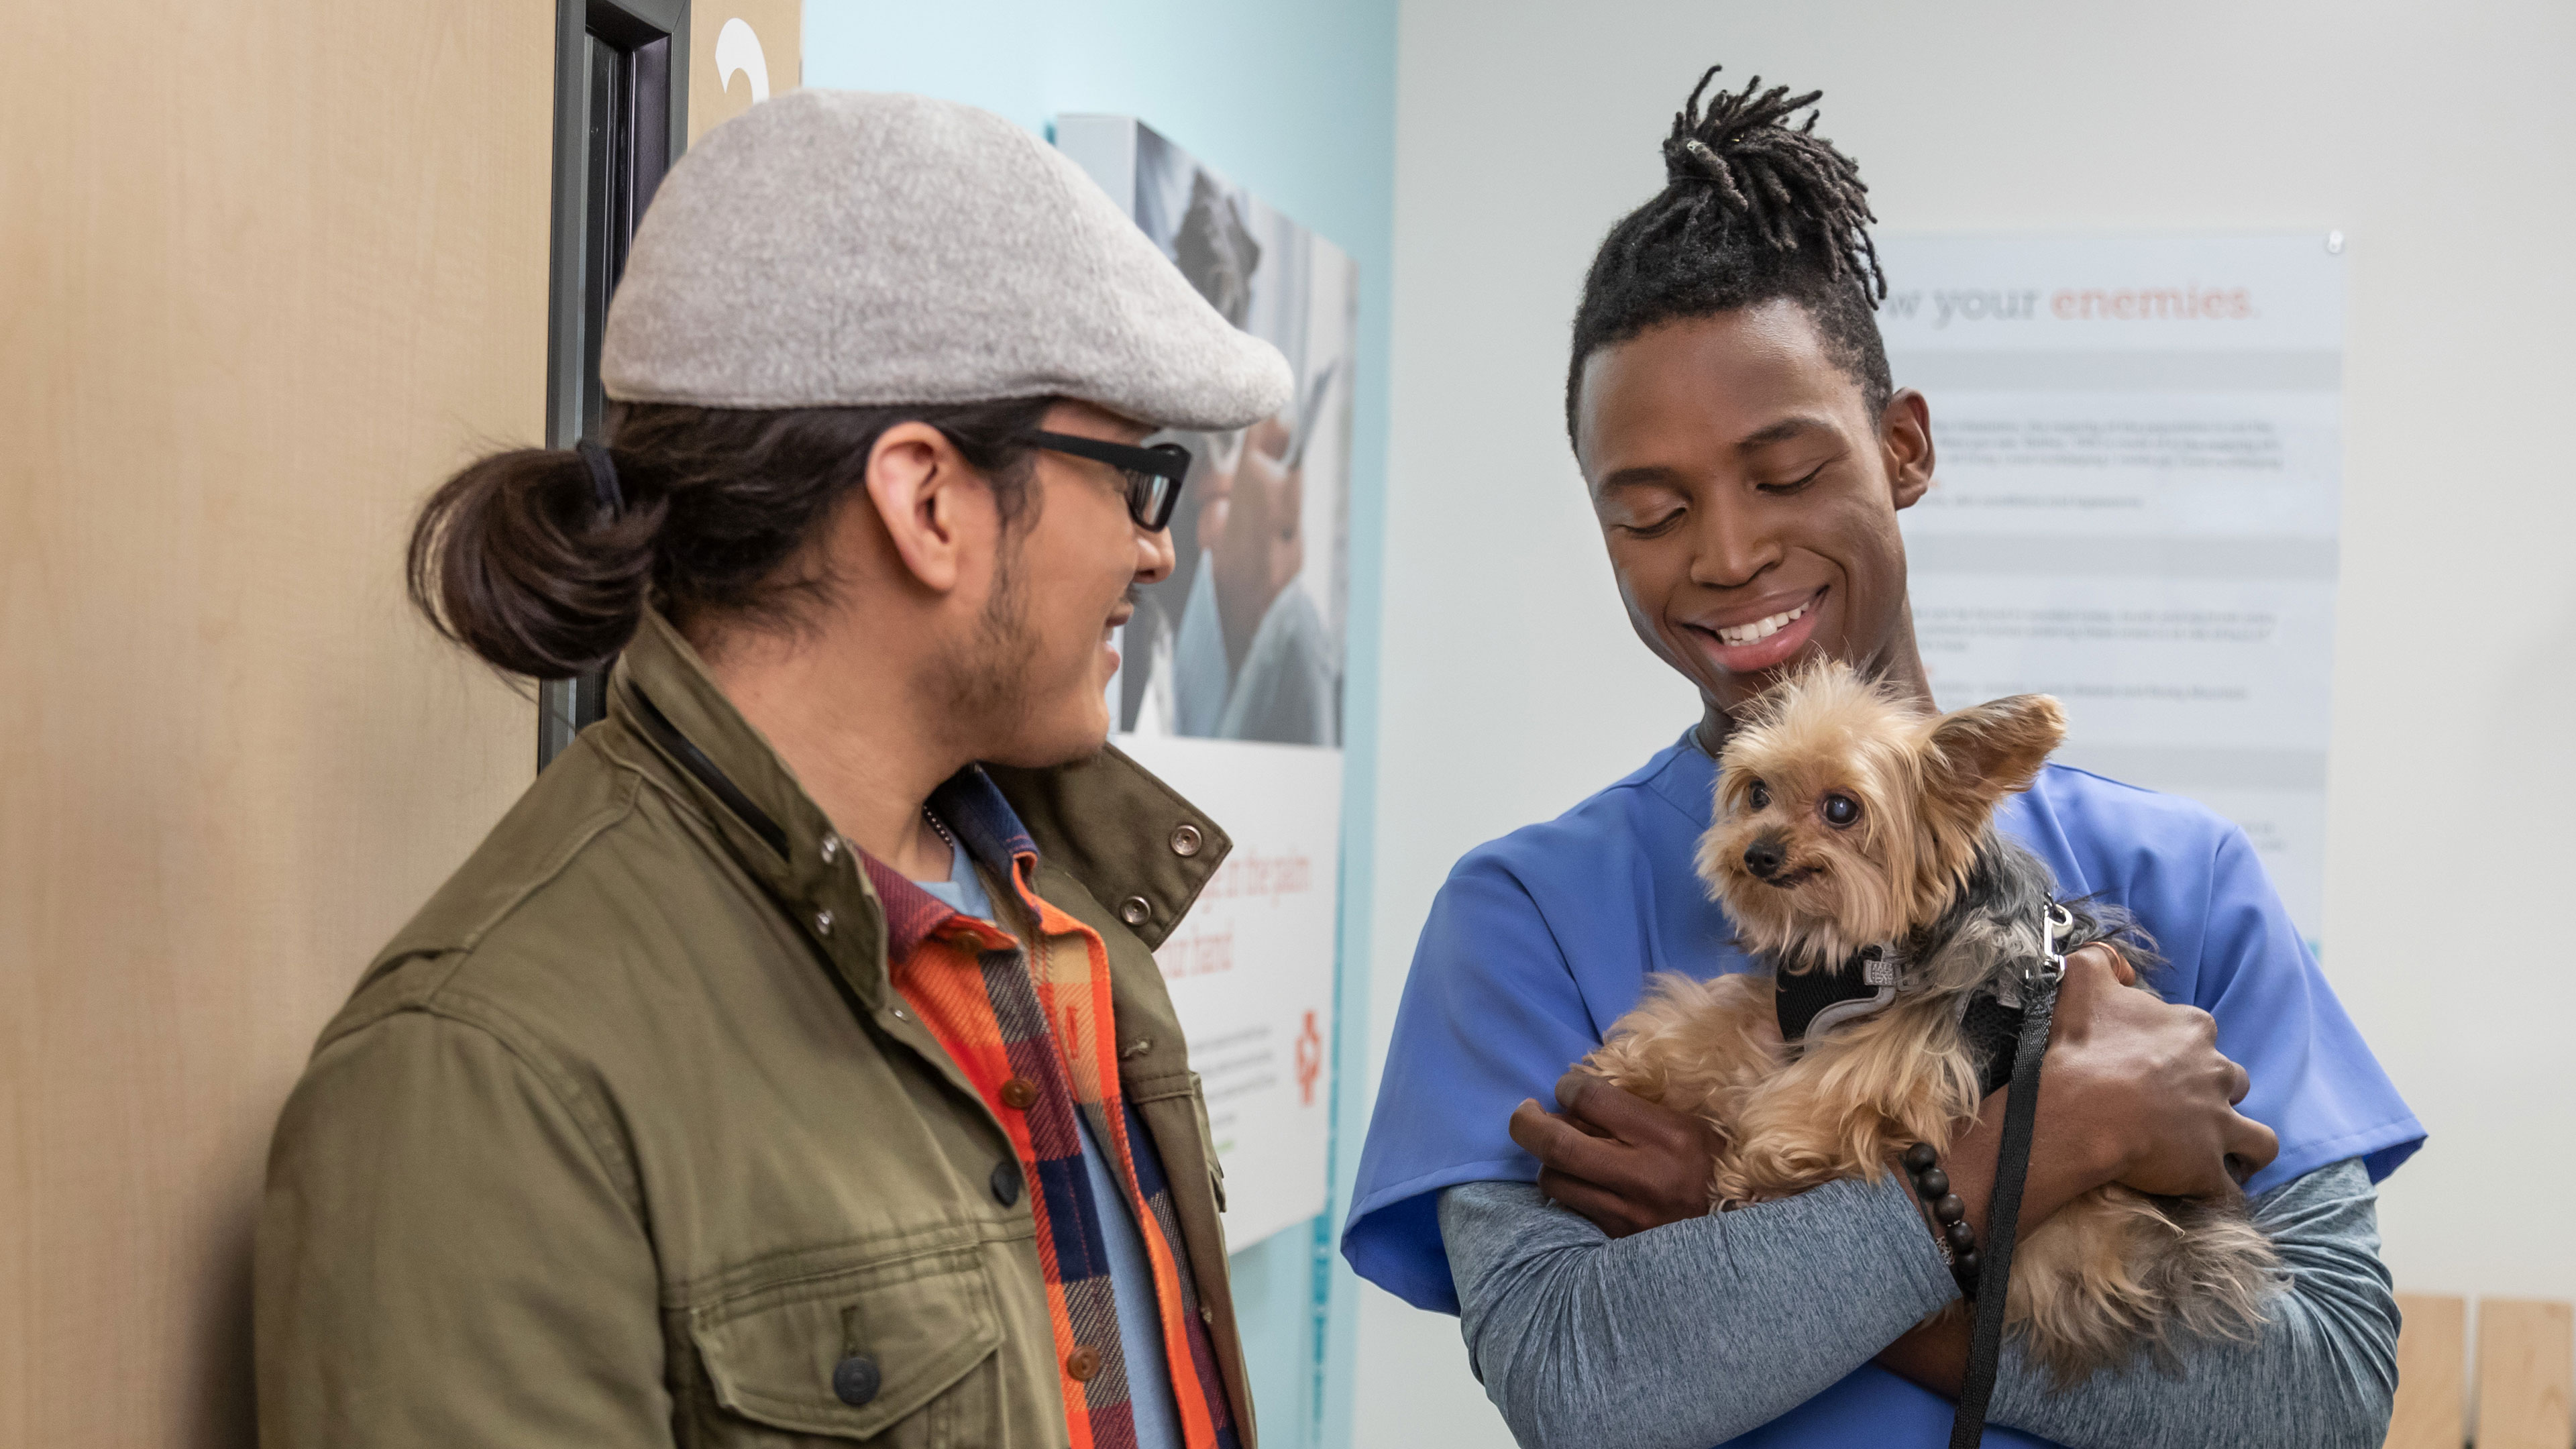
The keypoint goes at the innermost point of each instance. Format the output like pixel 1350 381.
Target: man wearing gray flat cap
pixel 791 1064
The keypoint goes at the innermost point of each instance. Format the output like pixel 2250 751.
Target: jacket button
pixel 1019 1094
pixel 1082 1364
pixel 822 923
pixel 831 849
pixel 856 1380
pixel 1185 840
pixel 1006 1183
pixel 1135 910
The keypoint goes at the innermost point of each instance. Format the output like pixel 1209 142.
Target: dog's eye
pixel 1839 810
pixel 1758 795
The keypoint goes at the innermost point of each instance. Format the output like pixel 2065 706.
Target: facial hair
pixel 987 685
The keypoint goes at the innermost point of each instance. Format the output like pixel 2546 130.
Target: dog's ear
pixel 1974 757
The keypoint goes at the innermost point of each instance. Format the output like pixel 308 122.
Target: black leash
pixel 2003 1212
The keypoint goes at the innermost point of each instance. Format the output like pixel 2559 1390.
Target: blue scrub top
pixel 1542 939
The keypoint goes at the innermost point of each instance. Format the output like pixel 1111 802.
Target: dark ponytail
pixel 515 559
pixel 520 558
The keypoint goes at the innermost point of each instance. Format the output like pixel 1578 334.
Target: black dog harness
pixel 1815 1002
pixel 1819 1001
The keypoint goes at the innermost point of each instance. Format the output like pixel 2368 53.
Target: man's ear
pixel 921 490
pixel 1973 758
pixel 1905 440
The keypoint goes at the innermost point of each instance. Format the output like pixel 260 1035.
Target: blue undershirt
pixel 1131 1272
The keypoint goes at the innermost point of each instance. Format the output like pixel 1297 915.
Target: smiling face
pixel 1034 679
pixel 1749 500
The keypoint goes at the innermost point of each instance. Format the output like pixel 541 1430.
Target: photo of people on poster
pixel 1245 640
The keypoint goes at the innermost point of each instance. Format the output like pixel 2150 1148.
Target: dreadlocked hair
pixel 1753 209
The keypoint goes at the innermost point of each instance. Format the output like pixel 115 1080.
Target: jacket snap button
pixel 1081 1364
pixel 822 923
pixel 831 849
pixel 1006 1183
pixel 1134 910
pixel 1019 1094
pixel 1185 840
pixel 856 1380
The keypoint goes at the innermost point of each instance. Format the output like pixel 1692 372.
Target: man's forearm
pixel 1689 1334
pixel 2319 1372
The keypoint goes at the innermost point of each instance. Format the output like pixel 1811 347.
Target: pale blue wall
pixel 1297 102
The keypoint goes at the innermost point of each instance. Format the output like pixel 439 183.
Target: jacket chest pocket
pixel 901 1354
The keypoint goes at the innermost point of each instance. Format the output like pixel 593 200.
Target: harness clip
pixel 2054 921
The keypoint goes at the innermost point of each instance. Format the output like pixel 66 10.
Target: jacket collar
pixel 1115 828
pixel 985 828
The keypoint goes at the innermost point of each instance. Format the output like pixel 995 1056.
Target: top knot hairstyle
pixel 1753 210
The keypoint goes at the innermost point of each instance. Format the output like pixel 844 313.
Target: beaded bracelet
pixel 1958 1241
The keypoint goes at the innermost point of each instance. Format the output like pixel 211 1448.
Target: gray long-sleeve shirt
pixel 1690 1334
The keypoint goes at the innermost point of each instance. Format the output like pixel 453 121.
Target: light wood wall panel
pixel 2432 1373
pixel 266 272
pixel 2526 1374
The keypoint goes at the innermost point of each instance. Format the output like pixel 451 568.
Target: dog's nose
pixel 1763 857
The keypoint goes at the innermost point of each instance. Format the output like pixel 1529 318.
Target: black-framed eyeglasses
pixel 1154 474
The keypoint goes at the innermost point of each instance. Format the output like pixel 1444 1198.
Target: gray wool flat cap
pixel 854 249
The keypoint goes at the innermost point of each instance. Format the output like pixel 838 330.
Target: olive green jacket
pixel 626 1140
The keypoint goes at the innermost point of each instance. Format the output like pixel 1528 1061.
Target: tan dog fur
pixel 2112 1273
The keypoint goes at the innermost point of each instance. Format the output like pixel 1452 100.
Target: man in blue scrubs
pixel 1747 454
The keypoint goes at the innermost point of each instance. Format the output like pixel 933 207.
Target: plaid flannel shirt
pixel 1032 1029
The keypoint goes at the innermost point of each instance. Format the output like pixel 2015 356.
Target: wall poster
pixel 2138 477
pixel 1230 687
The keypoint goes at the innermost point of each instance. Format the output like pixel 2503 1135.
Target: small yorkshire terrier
pixel 1854 832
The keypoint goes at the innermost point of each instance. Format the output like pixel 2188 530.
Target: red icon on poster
pixel 1310 1058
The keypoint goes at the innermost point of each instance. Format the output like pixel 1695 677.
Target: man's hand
pixel 2132 1091
pixel 2145 1076
pixel 1621 1161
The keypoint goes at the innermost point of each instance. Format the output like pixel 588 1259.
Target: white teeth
pixel 1760 628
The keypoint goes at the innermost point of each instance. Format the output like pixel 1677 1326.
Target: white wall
pixel 2441 140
